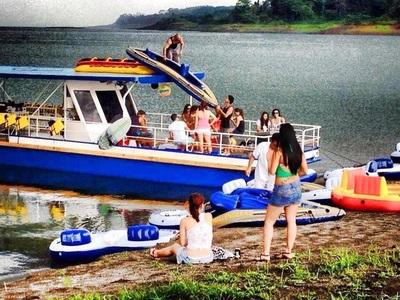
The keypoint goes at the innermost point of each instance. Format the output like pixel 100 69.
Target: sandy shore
pixel 131 269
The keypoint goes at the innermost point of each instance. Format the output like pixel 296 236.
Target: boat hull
pixel 109 175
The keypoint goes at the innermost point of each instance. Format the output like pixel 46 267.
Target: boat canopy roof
pixel 70 74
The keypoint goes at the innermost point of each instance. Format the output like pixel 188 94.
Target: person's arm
pixel 182 45
pixel 270 157
pixel 167 43
pixel 275 162
pixel 303 167
pixel 258 128
pixel 249 165
pixel 196 120
pixel 228 112
pixel 182 233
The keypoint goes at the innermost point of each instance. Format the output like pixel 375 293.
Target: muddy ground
pixel 126 270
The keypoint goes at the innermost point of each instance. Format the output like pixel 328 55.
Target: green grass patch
pixel 336 274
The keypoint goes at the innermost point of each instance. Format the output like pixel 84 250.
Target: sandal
pixel 152 252
pixel 264 257
pixel 285 255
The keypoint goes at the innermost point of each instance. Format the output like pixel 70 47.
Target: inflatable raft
pixel 112 65
pixel 358 191
pixel 395 156
pixel 244 206
pixel 77 245
pixel 180 74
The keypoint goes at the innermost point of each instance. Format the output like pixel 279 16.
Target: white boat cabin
pixel 89 107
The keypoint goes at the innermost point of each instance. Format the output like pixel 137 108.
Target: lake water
pixel 350 85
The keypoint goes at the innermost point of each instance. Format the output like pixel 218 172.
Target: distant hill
pixel 169 18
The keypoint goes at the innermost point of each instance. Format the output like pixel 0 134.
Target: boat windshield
pixel 110 104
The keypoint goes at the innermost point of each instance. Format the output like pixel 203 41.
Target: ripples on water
pixel 31 218
pixel 350 85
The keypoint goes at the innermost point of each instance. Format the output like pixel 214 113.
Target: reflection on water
pixel 31 218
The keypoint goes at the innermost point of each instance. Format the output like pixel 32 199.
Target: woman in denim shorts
pixel 287 163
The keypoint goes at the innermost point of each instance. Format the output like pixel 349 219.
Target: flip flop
pixel 264 257
pixel 285 255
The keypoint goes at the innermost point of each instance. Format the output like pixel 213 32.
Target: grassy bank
pixel 338 273
pixel 323 27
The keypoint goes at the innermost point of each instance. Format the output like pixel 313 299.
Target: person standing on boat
pixel 203 126
pixel 287 164
pixel 263 124
pixel 263 153
pixel 225 114
pixel 173 48
pixel 276 120
pixel 195 236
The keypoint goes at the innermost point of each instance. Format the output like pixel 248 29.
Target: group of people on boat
pixel 202 122
pixel 286 162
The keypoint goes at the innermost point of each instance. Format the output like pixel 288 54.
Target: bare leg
pixel 290 214
pixel 201 141
pixel 167 251
pixel 271 215
pixel 207 139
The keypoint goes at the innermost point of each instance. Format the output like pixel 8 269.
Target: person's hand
pixel 247 172
pixel 218 108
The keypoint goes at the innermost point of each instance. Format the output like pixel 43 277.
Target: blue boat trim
pixel 70 74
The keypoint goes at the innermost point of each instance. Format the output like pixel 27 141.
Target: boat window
pixel 87 106
pixel 111 107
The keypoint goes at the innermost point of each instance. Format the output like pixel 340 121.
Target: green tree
pixel 394 10
pixel 292 10
pixel 243 12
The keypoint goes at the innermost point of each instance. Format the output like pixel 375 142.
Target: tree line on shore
pixel 353 11
pixel 252 12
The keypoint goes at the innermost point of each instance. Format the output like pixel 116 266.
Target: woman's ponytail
pixel 196 200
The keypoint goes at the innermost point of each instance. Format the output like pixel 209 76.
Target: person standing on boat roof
pixel 264 154
pixel 225 114
pixel 173 48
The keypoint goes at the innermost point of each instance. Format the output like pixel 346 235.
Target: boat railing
pixel 308 135
pixel 160 120
pixel 239 144
pixel 157 137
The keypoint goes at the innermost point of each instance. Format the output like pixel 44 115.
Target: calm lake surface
pixel 350 85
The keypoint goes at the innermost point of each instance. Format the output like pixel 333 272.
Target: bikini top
pixel 281 172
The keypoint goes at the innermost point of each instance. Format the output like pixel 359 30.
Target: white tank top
pixel 200 235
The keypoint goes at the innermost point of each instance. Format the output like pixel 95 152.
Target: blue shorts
pixel 286 194
pixel 183 258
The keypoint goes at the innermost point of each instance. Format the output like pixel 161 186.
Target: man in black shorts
pixel 173 48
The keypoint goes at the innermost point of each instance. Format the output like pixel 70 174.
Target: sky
pixel 86 12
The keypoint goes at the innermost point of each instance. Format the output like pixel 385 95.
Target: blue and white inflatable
pixel 77 245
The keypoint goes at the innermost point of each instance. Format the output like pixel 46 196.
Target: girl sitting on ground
pixel 195 236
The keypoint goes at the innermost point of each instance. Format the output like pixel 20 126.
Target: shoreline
pixel 327 28
pixel 136 271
